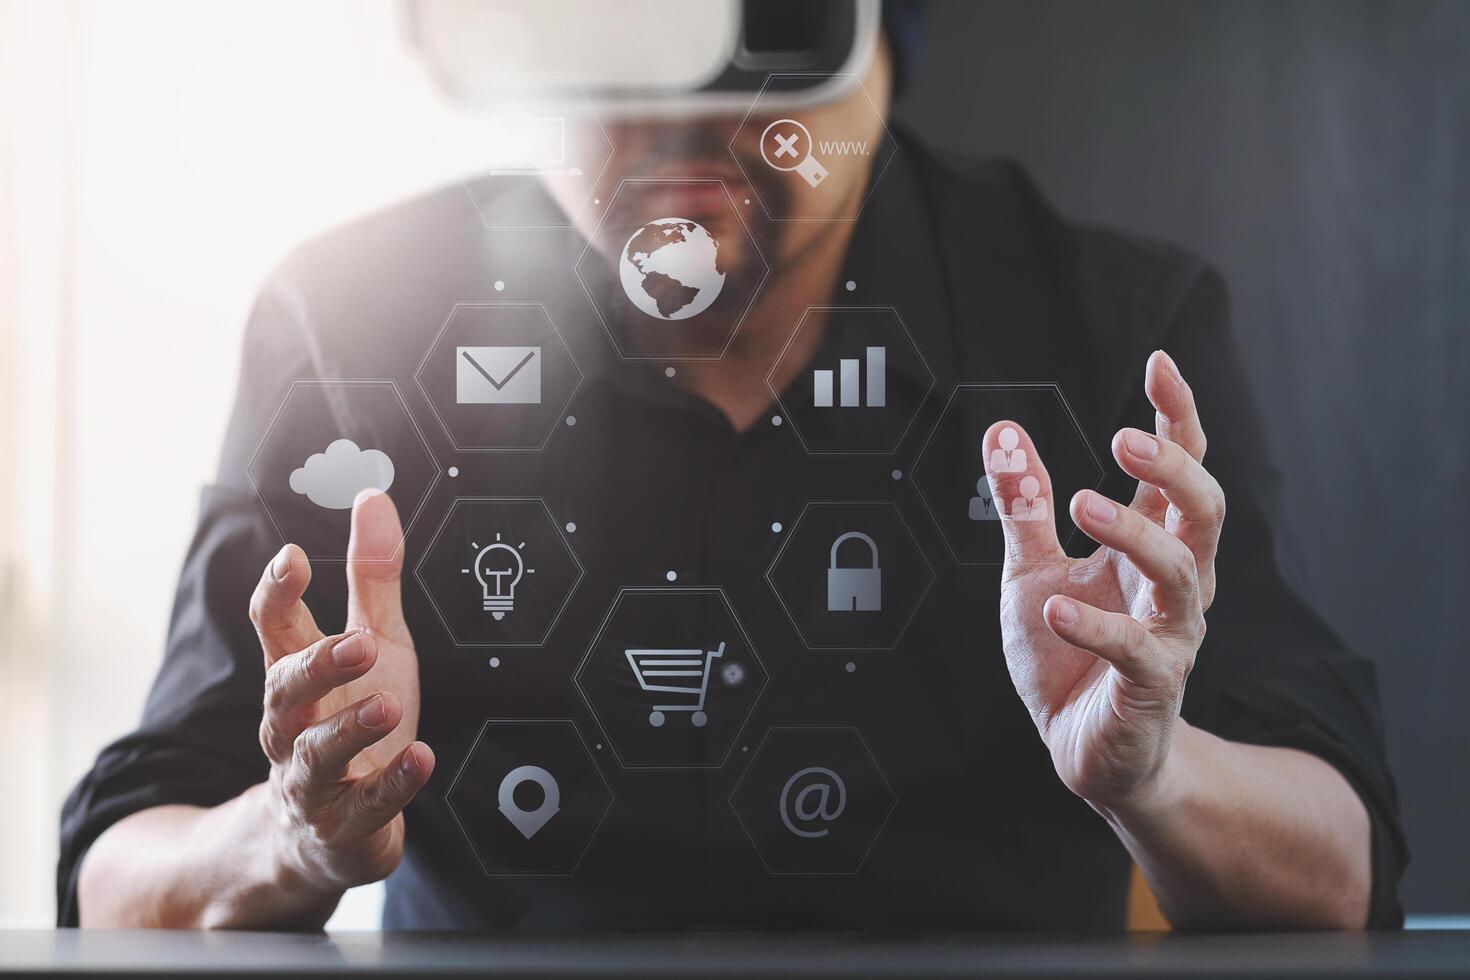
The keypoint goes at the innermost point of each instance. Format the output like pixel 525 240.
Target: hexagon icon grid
pixel 786 149
pixel 532 139
pixel 668 336
pixel 531 800
pixel 671 678
pixel 307 430
pixel 498 377
pixel 949 471
pixel 484 560
pixel 853 402
pixel 813 801
pixel 876 609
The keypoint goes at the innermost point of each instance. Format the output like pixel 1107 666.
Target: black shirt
pixel 949 814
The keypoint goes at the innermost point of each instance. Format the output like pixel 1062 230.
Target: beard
pixel 746 240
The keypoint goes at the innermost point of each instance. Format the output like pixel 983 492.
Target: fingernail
pixel 1141 445
pixel 409 765
pixel 281 566
pixel 1064 612
pixel 372 714
pixel 349 651
pixel 1172 369
pixel 1101 509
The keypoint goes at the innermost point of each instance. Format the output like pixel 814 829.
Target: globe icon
pixel 670 269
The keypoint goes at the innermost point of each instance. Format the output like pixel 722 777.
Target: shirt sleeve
pixel 1271 671
pixel 197 743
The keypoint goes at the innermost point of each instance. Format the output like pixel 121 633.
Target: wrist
pixel 1164 794
pixel 287 870
pixel 270 887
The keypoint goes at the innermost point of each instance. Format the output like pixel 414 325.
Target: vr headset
pixel 643 58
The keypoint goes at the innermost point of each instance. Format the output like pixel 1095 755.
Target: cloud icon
pixel 334 478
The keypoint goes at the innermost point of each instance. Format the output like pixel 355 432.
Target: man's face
pixel 720 148
pixel 691 155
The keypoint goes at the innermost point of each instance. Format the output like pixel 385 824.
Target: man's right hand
pixel 341 713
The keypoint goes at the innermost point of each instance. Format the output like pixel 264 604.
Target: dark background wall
pixel 1319 154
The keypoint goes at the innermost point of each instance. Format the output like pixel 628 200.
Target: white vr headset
pixel 657 58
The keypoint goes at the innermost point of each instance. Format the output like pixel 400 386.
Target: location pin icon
pixel 529 822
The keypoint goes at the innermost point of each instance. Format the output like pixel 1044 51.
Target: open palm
pixel 341 712
pixel 1099 648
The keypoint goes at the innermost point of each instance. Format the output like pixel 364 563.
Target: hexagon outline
pixel 888 140
pixel 566 402
pixel 939 420
pixel 413 424
pixel 434 539
pixel 775 560
pixel 760 284
pixel 612 797
pixel 592 184
pixel 877 831
pixel 913 416
pixel 597 638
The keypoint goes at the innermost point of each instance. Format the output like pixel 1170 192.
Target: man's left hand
pixel 1100 647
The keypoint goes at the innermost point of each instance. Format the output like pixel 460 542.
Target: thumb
pixel 375 565
pixel 1023 495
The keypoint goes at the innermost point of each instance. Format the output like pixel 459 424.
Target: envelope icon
pixel 497 375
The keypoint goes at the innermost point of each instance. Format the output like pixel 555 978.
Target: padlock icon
pixel 855 589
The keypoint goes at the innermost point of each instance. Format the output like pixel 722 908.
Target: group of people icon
pixel 1008 458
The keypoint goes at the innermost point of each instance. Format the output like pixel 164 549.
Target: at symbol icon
pixel 814 801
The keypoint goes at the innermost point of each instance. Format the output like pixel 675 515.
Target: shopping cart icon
pixel 683 672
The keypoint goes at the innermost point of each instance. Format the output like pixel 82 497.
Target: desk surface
pixel 71 952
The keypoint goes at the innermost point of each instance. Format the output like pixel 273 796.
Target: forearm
pixel 1235 836
pixel 191 867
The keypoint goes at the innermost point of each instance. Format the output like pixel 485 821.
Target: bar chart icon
pixel 850 371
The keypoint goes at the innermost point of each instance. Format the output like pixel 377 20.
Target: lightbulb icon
pixel 499 568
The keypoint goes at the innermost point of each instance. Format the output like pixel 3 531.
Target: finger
pixel 1116 638
pixel 381 795
pixel 1162 558
pixel 294 684
pixel 282 621
pixel 1173 411
pixel 321 753
pixel 1197 502
pixel 1178 418
pixel 375 565
pixel 1023 495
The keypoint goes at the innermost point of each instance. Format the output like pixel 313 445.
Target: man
pixel 1257 796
